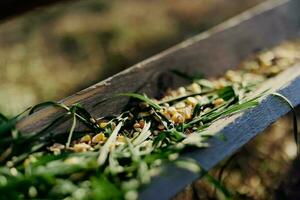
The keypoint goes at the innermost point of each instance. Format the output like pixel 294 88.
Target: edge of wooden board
pixel 214 51
pixel 238 129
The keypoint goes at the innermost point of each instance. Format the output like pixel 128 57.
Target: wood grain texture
pixel 238 130
pixel 211 53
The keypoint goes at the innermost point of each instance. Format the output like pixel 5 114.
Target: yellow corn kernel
pixel 172 110
pixel 142 123
pixel 180 105
pixel 121 138
pixel 198 97
pixel 191 101
pixel 99 138
pixel 161 127
pixel 81 147
pixel 181 91
pixel 56 148
pixel 177 118
pixel 194 87
pixel 103 124
pixel 86 139
pixel 187 113
pixel 218 102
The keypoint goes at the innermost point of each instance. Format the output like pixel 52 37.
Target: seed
pixel 167 115
pixel 274 70
pixel 13 171
pixel 131 194
pixel 92 120
pixel 173 156
pixel 136 125
pixel 86 139
pixel 103 124
pixel 166 105
pixel 204 100
pixel 99 138
pixel 191 101
pixel 283 62
pixel 177 118
pixel 172 110
pixel 220 83
pixel 187 113
pixel 180 105
pixel 206 110
pixel 161 127
pixel 72 161
pixel 81 147
pixel 57 145
pixel 181 91
pixel 198 97
pixel 194 87
pixel 232 76
pixel 266 58
pixel 121 138
pixel 156 132
pixel 32 192
pixel 218 102
pixel 142 123
pixel 56 148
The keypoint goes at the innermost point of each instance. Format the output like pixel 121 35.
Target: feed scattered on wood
pixel 118 155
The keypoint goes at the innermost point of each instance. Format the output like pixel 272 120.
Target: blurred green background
pixel 53 52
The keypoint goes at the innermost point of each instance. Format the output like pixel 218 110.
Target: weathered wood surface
pixel 237 129
pixel 211 53
pixel 11 8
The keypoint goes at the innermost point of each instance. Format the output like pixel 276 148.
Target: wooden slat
pixel 237 129
pixel 211 53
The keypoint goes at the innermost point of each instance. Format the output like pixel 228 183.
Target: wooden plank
pixel 214 52
pixel 238 130
pixel 211 53
pixel 11 8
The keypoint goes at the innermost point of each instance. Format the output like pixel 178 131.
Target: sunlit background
pixel 53 52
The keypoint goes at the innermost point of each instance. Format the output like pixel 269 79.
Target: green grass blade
pixel 105 149
pixel 71 131
pixel 295 125
pixel 226 93
pixel 46 104
pixel 231 110
pixel 218 185
pixel 141 98
pixel 145 133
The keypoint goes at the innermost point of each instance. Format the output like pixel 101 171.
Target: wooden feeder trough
pixel 211 53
